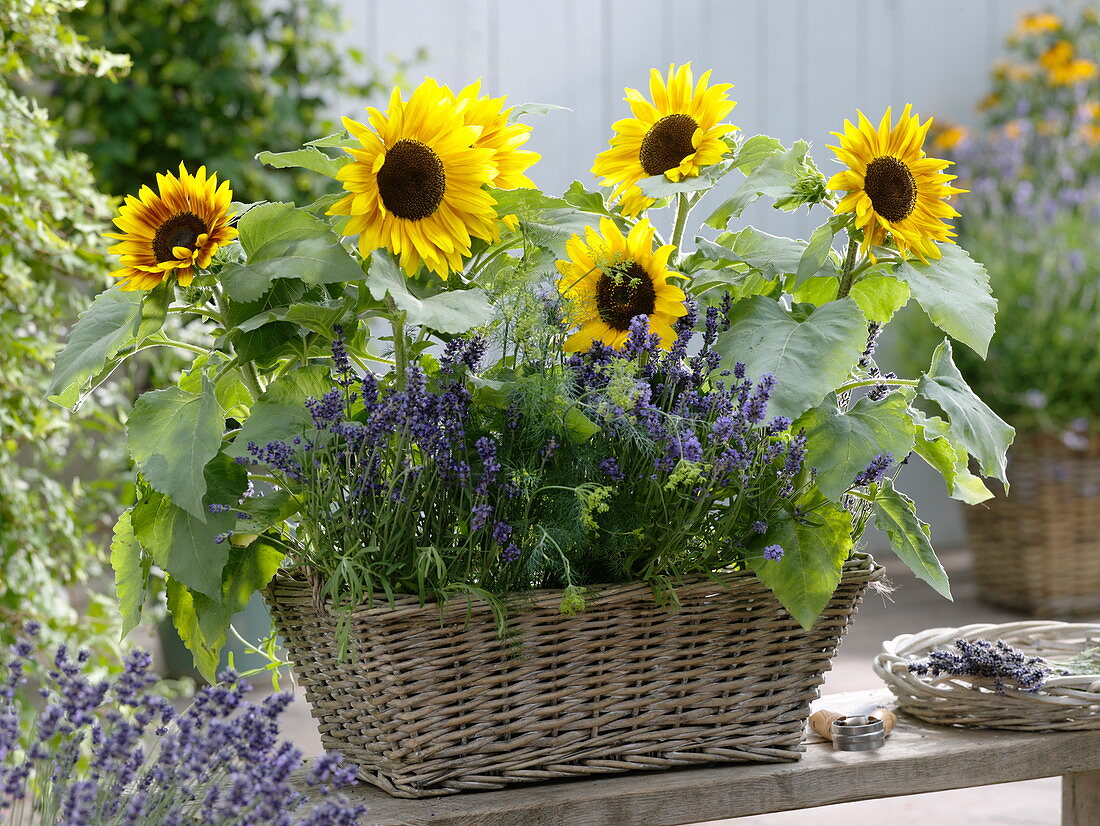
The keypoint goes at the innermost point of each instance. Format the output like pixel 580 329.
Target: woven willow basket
pixel 1038 549
pixel 426 707
pixel 1064 703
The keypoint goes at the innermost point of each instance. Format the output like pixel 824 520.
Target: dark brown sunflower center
pixel 891 187
pixel 667 142
pixel 181 230
pixel 624 292
pixel 412 180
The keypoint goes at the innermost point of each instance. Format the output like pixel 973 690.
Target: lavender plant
pixel 415 488
pixel 997 661
pixel 689 470
pixel 114 753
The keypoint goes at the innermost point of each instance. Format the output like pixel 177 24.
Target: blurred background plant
pixel 52 212
pixel 213 80
pixel 1033 170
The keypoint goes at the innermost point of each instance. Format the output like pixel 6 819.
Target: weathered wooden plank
pixel 916 759
pixel 1081 799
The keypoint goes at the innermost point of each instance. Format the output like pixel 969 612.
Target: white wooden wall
pixel 799 66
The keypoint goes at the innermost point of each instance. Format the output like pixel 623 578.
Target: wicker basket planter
pixel 1038 549
pixel 426 707
pixel 1070 703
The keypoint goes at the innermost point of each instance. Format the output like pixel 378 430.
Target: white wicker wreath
pixel 1069 703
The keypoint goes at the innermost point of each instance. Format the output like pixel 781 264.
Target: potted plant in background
pixel 1033 172
pixel 532 490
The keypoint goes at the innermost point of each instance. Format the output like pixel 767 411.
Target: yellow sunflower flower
pixel 417 185
pixel 610 279
pixel 504 138
pixel 892 187
pixel 677 134
pixel 174 230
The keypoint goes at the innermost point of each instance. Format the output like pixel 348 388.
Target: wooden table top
pixel 917 758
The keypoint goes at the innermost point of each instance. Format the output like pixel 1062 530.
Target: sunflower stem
pixel 252 380
pixel 847 272
pixel 183 345
pixel 683 208
pixel 400 354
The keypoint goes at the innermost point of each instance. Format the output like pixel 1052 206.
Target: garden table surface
pixel 917 758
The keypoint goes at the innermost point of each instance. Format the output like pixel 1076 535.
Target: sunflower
pixel 676 135
pixel 176 229
pixel 610 279
pixel 504 138
pixel 417 185
pixel 892 187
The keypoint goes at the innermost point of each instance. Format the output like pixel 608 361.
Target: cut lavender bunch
pixel 113 753
pixel 997 661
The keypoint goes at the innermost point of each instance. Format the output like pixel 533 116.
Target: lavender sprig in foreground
pixel 87 758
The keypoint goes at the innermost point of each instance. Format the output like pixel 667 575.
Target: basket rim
pixel 892 663
pixel 860 567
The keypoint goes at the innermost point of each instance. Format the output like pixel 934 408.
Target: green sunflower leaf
pixel 808 358
pixel 841 444
pixel 971 423
pixel 659 186
pixel 880 296
pixel 108 325
pixel 308 158
pixel 172 435
pixel 283 242
pixel 185 547
pixel 771 255
pixel 585 199
pixel 246 571
pixel 454 311
pixel 554 229
pixel 538 109
pixel 816 254
pixel 774 177
pixel 804 579
pixel 337 139
pixel 181 606
pixel 896 515
pixel 935 445
pixel 131 570
pixel 755 150
pixel 181 544
pixel 280 413
pixel 955 293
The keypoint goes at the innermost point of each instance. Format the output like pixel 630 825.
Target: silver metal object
pixel 858 732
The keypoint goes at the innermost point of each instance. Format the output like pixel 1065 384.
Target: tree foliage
pixel 51 215
pixel 212 80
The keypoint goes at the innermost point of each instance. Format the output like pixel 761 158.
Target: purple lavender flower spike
pixel 773 552
pixel 875 471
